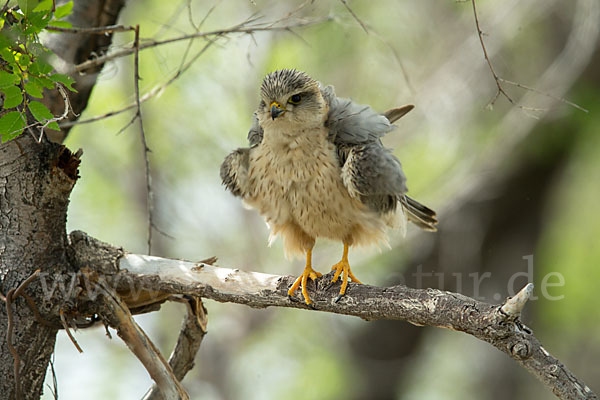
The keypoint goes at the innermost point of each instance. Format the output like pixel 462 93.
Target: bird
pixel 315 167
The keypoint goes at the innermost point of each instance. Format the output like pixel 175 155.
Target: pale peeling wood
pixel 428 307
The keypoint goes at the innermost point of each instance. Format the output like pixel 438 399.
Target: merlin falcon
pixel 316 167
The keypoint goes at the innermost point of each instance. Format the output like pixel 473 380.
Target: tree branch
pixel 498 325
pixel 247 27
pixel 500 89
pixel 117 315
pixel 190 338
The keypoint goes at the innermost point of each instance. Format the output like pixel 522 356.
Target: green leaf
pixel 42 82
pixel 11 126
pixel 4 40
pixel 12 96
pixel 40 67
pixel 54 125
pixel 7 79
pixel 33 90
pixel 64 10
pixel 61 24
pixel 44 5
pixel 38 50
pixel 37 21
pixel 65 80
pixel 39 111
pixel 27 6
pixel 24 60
pixel 8 56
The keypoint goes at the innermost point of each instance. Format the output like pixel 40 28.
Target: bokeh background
pixel 516 189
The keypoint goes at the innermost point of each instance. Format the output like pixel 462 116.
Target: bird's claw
pixel 329 285
pixel 302 281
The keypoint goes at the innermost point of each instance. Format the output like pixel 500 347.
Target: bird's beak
pixel 276 109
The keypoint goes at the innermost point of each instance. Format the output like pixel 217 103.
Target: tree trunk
pixel 35 183
pixel 36 180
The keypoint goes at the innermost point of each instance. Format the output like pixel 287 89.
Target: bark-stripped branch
pixel 190 338
pixel 499 325
pixel 118 315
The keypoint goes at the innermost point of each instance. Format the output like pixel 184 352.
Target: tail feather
pixel 420 215
pixel 396 113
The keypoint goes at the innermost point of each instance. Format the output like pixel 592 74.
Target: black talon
pixel 339 298
pixel 329 286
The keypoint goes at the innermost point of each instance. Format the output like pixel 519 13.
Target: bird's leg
pixel 343 268
pixel 309 272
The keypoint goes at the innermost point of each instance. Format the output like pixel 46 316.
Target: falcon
pixel 316 167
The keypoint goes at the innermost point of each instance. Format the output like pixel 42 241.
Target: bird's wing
pixel 255 134
pixel 352 123
pixel 373 174
pixel 234 171
pixel 370 172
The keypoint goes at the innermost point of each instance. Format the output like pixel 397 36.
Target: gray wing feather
pixel 353 123
pixel 255 135
pixel 370 172
pixel 234 171
pixel 373 174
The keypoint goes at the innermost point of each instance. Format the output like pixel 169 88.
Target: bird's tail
pixel 418 214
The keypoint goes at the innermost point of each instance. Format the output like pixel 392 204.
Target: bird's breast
pixel 302 183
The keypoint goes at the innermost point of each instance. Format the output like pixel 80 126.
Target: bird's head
pixel 289 99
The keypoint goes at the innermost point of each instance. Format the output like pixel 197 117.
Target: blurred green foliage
pixel 24 64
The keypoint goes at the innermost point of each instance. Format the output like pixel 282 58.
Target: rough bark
pixel 35 182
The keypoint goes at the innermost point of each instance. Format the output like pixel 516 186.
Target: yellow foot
pixel 343 268
pixel 302 280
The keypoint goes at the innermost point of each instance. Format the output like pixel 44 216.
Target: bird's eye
pixel 295 99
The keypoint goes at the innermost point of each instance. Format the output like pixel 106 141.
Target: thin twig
pixel 54 387
pixel 500 89
pixel 4 7
pixel 25 283
pixel 489 62
pixel 398 60
pixel 36 312
pixel 158 89
pixel 149 194
pixel 362 24
pixel 44 124
pixel 68 330
pixel 152 93
pixel 534 90
pixel 99 30
pixel 240 28
pixel 190 15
